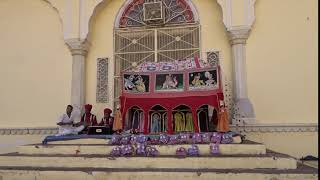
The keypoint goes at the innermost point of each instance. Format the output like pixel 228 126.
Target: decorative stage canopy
pixel 191 83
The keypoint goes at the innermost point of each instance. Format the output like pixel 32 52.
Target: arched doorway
pixel 158 121
pixel 134 119
pixel 182 119
pixel 203 118
pixel 207 118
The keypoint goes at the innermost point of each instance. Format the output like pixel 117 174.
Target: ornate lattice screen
pixel 174 36
pixel 132 47
pixel 177 43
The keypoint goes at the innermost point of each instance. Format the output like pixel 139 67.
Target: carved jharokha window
pixel 154 31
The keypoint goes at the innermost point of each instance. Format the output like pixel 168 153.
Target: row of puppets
pixel 170 97
pixel 182 120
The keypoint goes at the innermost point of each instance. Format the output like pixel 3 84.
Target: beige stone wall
pixel 296 144
pixel 282 63
pixel 35 64
pixel 239 12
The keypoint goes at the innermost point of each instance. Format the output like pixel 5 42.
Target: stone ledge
pixel 201 162
pixel 301 169
pixel 82 174
pixel 297 127
pixel 29 131
pixel 225 149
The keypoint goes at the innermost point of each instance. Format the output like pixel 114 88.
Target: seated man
pixel 107 120
pixel 67 125
pixel 88 119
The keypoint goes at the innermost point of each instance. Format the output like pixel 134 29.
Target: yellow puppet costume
pixel 189 122
pixel 179 122
pixel 117 124
pixel 223 122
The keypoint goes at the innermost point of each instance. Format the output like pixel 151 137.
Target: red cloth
pixel 89 119
pixel 107 110
pixel 106 122
pixel 88 106
pixel 146 104
pixel 170 100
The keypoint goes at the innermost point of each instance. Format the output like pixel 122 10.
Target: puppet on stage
pixel 155 123
pixel 223 119
pixel 189 122
pixel 179 122
pixel 117 124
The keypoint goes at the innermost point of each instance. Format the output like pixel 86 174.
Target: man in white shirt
pixel 67 123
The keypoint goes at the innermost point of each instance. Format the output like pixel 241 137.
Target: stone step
pixel 269 160
pixel 81 141
pixel 53 173
pixel 225 149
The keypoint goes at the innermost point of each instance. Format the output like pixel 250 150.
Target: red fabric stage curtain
pixel 145 104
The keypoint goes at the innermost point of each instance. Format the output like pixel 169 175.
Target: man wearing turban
pixel 107 120
pixel 88 119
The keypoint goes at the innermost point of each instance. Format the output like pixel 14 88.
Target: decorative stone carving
pixel 213 58
pixel 228 14
pixel 78 46
pixel 102 80
pixel 238 34
pixel 28 131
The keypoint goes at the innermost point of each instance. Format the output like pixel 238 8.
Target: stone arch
pixel 62 20
pixel 232 31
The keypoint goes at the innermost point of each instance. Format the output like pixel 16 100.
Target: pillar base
pixel 243 112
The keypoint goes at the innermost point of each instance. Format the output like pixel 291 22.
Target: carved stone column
pixel 79 49
pixel 242 105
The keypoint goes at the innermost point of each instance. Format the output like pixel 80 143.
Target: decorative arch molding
pixel 55 7
pixel 226 6
pixel 86 12
pixel 78 42
pixel 64 19
pixel 97 6
pixel 189 11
